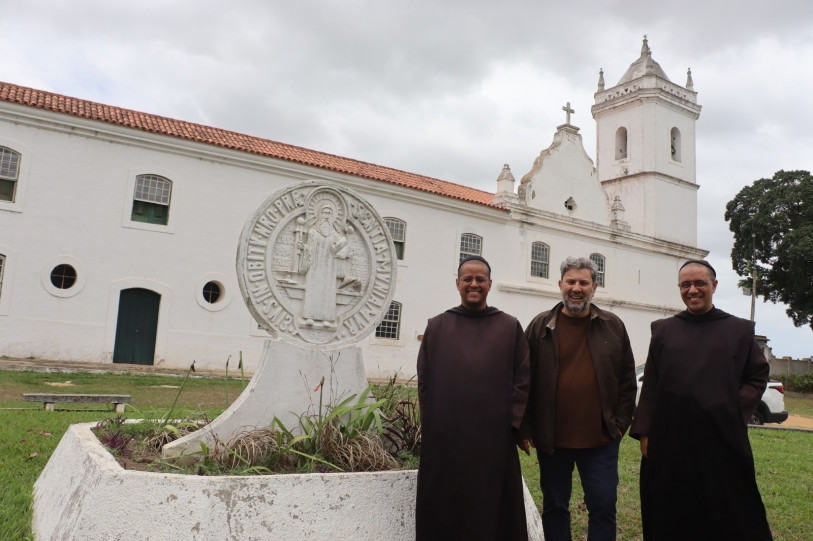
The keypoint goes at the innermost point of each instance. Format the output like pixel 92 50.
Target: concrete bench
pixel 118 400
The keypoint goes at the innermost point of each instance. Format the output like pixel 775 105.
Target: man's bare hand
pixel 644 443
pixel 526 445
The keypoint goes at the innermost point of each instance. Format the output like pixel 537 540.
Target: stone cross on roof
pixel 568 111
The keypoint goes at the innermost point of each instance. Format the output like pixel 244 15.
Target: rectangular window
pixel 9 173
pixel 540 259
pixel 398 233
pixel 598 259
pixel 151 199
pixel 470 244
pixel 390 326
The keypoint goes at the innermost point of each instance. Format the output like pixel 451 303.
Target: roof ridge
pixel 201 133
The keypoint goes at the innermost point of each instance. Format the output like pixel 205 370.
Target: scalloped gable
pixel 236 141
pixel 563 180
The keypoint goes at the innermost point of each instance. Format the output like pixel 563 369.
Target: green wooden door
pixel 136 327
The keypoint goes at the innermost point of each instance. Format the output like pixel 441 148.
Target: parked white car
pixel 771 408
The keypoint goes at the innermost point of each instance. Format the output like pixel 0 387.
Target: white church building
pixel 119 229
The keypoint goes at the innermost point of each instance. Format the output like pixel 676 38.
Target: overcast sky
pixel 448 89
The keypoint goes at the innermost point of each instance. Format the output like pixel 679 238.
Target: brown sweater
pixel 578 423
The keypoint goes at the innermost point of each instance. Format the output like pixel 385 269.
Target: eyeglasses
pixel 698 284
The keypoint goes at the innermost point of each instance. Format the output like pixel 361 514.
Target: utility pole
pixel 753 274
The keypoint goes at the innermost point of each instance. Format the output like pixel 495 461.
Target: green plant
pixel 800 383
pixel 242 374
pixel 341 437
pixel 394 393
pixel 178 394
pixel 227 380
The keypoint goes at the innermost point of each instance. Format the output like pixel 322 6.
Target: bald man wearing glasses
pixel 704 377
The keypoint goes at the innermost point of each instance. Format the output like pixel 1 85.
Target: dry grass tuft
pixel 157 439
pixel 362 452
pixel 253 447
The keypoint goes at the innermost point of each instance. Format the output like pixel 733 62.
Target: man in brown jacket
pixel 581 402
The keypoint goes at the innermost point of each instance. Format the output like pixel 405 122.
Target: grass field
pixel 29 436
pixel 799 406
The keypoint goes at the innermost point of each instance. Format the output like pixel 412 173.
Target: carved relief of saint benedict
pixel 316 266
pixel 325 246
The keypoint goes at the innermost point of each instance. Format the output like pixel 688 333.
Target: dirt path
pixel 797 421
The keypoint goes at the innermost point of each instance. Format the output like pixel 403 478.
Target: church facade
pixel 119 229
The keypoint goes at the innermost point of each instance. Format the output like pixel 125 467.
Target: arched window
pixel 621 143
pixel 598 259
pixel 470 244
pixel 398 233
pixel 540 259
pixel 151 199
pixel 9 173
pixel 390 326
pixel 675 144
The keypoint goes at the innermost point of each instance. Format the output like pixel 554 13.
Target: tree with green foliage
pixel 772 222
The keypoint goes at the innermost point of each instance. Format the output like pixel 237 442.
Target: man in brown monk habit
pixel 472 388
pixel 703 379
pixel 581 402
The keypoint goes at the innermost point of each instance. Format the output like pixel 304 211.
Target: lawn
pixel 29 436
pixel 799 406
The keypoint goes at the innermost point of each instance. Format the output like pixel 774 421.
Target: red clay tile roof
pixel 236 141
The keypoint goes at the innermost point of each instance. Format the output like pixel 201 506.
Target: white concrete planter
pixel 83 493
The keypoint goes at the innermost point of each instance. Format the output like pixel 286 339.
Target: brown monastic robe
pixel 703 378
pixel 473 381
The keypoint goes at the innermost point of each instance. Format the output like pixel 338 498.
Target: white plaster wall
pixel 677 221
pixel 78 192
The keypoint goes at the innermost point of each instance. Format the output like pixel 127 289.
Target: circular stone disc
pixel 316 266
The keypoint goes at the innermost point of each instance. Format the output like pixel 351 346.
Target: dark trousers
pixel 598 470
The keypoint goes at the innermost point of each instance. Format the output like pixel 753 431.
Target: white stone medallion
pixel 316 266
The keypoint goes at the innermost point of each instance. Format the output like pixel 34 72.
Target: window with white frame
pixel 390 326
pixel 9 173
pixel 598 259
pixel 470 244
pixel 540 259
pixel 398 233
pixel 151 199
pixel 2 267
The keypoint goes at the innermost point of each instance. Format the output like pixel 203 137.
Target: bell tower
pixel 645 149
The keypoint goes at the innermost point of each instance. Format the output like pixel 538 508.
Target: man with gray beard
pixel 581 403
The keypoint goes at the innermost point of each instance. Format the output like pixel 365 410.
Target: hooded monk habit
pixel 703 378
pixel 473 381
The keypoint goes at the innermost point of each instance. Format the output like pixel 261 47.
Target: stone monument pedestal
pixel 283 387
